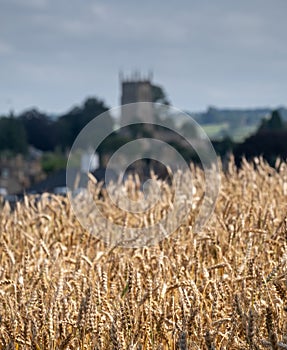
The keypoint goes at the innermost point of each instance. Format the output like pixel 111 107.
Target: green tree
pixel 40 130
pixel 12 135
pixel 274 123
pixel 159 95
pixel 52 161
pixel 70 124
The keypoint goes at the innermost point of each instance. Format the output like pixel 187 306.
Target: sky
pixel 223 53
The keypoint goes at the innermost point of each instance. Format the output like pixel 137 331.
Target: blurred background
pixel 64 62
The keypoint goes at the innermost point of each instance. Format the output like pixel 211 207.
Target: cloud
pixel 101 11
pixel 196 48
pixel 34 4
pixel 5 49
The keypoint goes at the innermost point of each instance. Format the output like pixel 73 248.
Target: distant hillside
pixel 235 123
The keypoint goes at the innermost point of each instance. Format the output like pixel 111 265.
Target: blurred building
pixel 136 88
pixel 19 172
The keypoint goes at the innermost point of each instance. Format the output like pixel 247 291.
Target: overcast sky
pixel 225 53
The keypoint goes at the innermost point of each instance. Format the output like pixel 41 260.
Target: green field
pixel 219 131
pixel 214 130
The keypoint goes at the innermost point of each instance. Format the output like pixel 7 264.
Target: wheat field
pixel 62 287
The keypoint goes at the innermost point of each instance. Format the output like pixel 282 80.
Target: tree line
pixel 47 134
pixel 44 133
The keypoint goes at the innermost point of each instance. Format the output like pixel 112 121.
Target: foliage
pixel 159 95
pixel 224 146
pixel 47 134
pixel 70 124
pixel 40 130
pixel 273 123
pixel 269 141
pixel 12 135
pixel 52 161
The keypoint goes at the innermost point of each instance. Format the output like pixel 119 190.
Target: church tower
pixel 136 88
